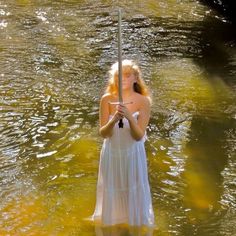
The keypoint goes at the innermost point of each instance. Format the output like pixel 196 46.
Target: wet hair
pixel 128 66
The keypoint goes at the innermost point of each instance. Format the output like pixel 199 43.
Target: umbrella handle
pixel 121 124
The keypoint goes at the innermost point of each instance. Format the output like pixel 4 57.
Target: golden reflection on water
pixel 49 117
pixel 123 230
pixel 23 215
pixel 187 87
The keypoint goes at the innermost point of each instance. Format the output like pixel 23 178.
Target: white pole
pixel 120 64
pixel 120 58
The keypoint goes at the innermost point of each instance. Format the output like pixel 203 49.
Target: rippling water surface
pixel 54 58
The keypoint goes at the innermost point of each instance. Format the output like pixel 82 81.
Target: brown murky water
pixel 54 57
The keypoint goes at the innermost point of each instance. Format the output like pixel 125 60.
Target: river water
pixel 54 58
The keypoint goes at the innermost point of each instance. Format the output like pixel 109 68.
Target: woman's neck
pixel 126 94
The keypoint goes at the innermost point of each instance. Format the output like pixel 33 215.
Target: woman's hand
pixel 117 116
pixel 123 111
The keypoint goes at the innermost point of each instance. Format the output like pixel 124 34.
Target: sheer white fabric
pixel 123 192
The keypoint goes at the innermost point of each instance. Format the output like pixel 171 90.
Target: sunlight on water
pixel 54 62
pixel 184 85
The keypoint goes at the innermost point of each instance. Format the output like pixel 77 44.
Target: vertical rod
pixel 120 124
pixel 120 58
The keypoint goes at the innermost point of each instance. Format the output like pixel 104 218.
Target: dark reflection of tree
pixel 224 7
pixel 207 158
pixel 217 43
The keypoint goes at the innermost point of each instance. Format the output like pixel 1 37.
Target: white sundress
pixel 123 192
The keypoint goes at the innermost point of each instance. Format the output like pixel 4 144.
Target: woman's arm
pixel 106 125
pixel 138 128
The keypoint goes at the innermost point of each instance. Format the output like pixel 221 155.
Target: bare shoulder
pixel 107 97
pixel 143 100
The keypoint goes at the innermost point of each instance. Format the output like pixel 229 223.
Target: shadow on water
pixel 206 159
pixel 217 43
pixel 224 7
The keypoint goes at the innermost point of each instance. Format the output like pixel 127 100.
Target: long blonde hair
pixel 129 66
